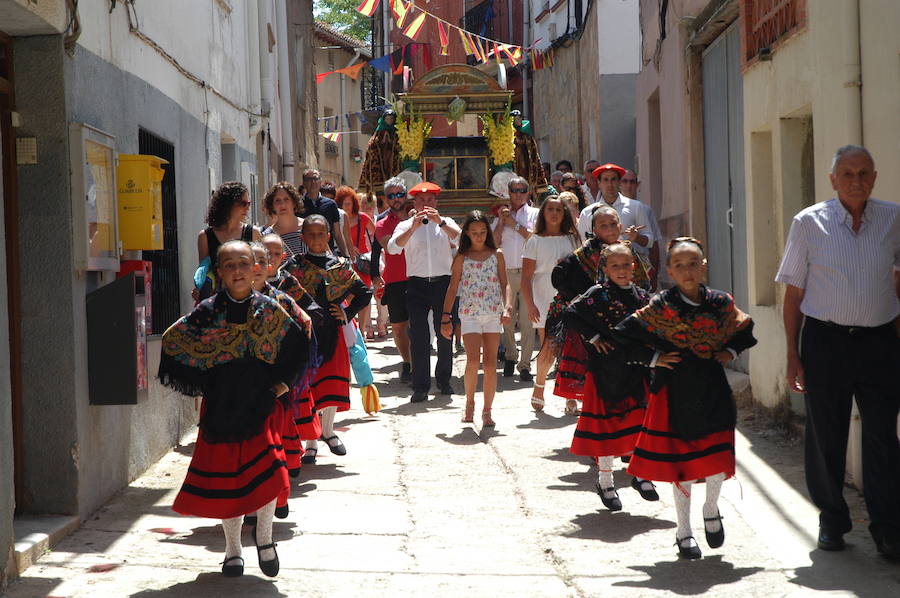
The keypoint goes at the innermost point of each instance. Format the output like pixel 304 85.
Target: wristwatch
pixel 442 224
pixel 518 227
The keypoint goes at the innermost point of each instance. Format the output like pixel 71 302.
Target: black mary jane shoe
pixel 648 494
pixel 335 445
pixel 688 550
pixel 714 539
pixel 272 567
pixel 282 512
pixel 309 456
pixel 235 570
pixel 613 503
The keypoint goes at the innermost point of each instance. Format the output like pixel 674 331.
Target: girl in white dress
pixel 555 236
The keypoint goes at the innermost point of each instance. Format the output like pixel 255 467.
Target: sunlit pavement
pixel 423 505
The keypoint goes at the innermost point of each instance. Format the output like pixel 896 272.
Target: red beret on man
pixel 608 166
pixel 427 188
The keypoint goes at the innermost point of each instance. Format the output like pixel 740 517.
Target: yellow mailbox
pixel 140 201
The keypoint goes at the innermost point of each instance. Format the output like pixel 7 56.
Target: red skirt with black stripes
pixel 290 439
pixel 332 385
pixel 307 421
pixel 603 434
pixel 661 456
pixel 572 369
pixel 230 479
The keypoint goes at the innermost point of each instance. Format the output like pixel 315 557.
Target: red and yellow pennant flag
pixel 477 50
pixel 549 58
pixel 466 42
pixel 368 7
pixel 400 11
pixel 445 40
pixel 415 26
pixel 497 52
pixel 335 137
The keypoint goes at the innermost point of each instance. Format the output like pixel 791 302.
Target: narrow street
pixel 426 506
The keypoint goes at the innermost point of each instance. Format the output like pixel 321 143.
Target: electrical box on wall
pixel 140 201
pixel 94 216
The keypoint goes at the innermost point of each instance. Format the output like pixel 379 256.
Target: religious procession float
pixel 473 171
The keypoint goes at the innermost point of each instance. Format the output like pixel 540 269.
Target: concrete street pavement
pixel 423 505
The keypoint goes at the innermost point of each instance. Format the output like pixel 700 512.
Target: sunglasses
pixel 395 195
pixel 519 190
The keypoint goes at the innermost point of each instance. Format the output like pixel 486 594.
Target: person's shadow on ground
pixel 688 578
pixel 216 584
pixel 829 572
pixel 606 526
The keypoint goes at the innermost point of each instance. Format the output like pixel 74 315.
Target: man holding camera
pixel 424 240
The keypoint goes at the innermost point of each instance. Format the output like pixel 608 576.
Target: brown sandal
pixel 486 420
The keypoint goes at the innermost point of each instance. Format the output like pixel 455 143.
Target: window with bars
pixel 767 22
pixel 164 276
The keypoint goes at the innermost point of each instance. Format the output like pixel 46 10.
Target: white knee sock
pixel 232 529
pixel 327 418
pixel 264 530
pixel 604 474
pixel 711 506
pixel 682 492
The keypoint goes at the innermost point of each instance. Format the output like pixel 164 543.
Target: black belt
pixel 850 330
pixel 429 278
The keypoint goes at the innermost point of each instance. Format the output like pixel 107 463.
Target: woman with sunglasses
pixel 226 216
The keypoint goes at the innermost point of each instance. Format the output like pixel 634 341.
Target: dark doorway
pixel 9 196
pixel 166 289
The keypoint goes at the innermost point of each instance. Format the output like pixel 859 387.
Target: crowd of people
pixel 283 311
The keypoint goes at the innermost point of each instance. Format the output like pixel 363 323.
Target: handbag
pixel 363 261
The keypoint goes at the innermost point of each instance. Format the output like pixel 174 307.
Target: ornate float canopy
pixel 432 93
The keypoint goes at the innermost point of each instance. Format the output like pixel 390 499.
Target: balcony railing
pixel 768 22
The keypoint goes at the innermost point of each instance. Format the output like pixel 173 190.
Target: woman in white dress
pixel 555 236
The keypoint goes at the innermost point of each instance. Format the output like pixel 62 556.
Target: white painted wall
pixel 201 35
pixel 554 24
pixel 620 36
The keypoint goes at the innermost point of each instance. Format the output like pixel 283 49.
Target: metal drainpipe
pixel 284 94
pixel 852 71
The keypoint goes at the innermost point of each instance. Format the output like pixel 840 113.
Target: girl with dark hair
pixel 284 203
pixel 228 210
pixel 339 291
pixel 614 387
pixel 479 273
pixel 242 353
pixel 688 430
pixel 555 237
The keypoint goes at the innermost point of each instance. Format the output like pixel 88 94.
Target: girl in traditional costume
pixel 615 383
pixel 339 291
pixel 574 275
pixel 242 352
pixel 305 418
pixel 688 431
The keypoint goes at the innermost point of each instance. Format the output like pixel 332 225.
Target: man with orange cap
pixel 425 240
pixel 635 226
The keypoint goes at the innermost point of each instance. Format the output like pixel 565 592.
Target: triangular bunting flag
pixel 400 11
pixel 382 63
pixel 352 71
pixel 397 61
pixel 445 40
pixel 368 7
pixel 415 27
pixel 321 76
pixel 466 42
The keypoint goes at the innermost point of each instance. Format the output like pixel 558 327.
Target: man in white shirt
pixel 628 187
pixel 841 266
pixel 635 225
pixel 425 241
pixel 512 227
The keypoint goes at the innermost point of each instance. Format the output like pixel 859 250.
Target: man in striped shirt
pixel 841 266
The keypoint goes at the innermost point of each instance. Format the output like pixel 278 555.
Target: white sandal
pixel 537 403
